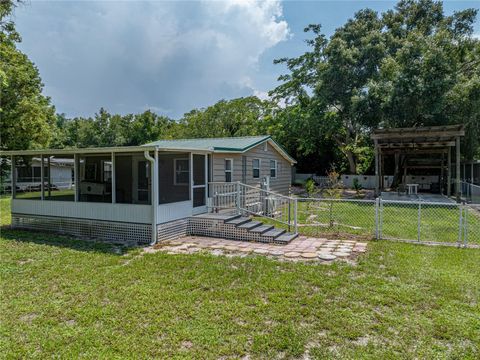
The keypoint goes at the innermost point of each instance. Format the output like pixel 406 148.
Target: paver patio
pixel 300 249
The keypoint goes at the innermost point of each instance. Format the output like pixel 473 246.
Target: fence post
pixel 295 222
pixel 460 223
pixel 377 206
pixel 419 221
pixel 380 216
pixel 465 225
pixel 289 215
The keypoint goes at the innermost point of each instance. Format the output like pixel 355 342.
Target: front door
pixel 199 186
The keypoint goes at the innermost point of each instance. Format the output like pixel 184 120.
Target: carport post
pixel 449 172
pixel 471 172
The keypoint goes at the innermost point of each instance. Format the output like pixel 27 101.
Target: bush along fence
pixel 415 221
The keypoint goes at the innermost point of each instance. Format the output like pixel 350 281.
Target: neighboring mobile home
pixel 142 193
pixel 28 175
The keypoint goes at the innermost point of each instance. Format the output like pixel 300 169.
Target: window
pixel 182 172
pixel 273 168
pixel 256 168
pixel 228 170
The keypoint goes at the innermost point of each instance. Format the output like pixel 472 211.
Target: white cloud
pixel 172 55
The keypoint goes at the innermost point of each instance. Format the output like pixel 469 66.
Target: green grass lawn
pixel 68 298
pixel 60 195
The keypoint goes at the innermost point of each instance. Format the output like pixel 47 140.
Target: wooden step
pixel 273 233
pixel 261 229
pixel 238 221
pixel 250 225
pixel 286 238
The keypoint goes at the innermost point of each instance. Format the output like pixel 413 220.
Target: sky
pixel 171 56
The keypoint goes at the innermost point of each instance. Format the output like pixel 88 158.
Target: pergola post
pixel 382 164
pixel 457 164
pixel 449 172
pixel 377 183
pixel 441 173
pixel 471 172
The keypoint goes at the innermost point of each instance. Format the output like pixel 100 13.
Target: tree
pixel 405 67
pixel 105 129
pixel 237 117
pixel 27 116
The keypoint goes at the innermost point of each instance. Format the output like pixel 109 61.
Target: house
pixel 143 193
pixel 59 174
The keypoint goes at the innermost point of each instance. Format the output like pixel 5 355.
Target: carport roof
pixel 418 137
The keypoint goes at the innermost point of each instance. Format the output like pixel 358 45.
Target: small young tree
pixel 333 190
pixel 357 186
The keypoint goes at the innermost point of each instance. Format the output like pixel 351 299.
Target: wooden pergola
pixel 415 141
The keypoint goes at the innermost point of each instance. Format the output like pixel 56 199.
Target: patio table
pixel 412 189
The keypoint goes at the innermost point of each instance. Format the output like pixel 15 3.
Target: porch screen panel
pixel 173 177
pixel 132 179
pixel 95 178
pixel 59 183
pixel 28 181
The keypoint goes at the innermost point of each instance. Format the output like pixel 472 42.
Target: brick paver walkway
pixel 300 249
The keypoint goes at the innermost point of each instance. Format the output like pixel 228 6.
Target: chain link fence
pixel 416 221
pixel 428 222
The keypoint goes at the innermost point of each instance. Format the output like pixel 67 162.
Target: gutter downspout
pixel 154 198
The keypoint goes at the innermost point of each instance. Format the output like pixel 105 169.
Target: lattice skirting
pixel 95 229
pixel 172 230
pixel 134 233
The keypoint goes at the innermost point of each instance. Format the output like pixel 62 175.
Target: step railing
pixel 252 200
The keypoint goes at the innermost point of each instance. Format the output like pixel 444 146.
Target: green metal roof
pixel 226 144
pixel 239 144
